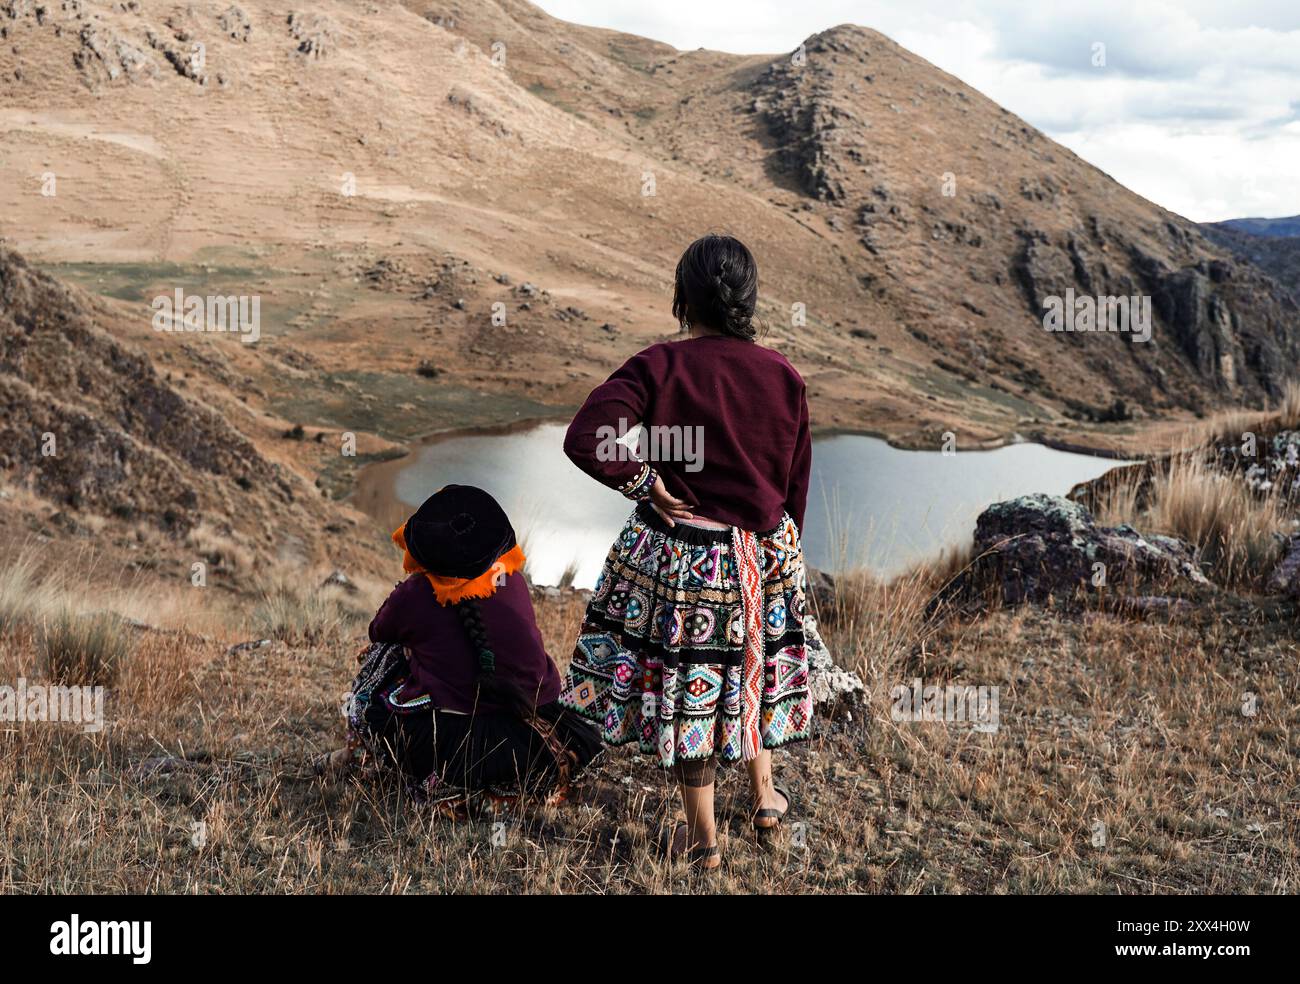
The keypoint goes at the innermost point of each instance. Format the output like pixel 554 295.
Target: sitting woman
pixel 456 690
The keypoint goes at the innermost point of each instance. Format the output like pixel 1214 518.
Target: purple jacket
pixel 751 410
pixel 443 663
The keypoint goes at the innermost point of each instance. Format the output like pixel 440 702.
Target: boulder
pixel 829 684
pixel 337 579
pixel 1038 547
pixel 821 590
pixel 1285 578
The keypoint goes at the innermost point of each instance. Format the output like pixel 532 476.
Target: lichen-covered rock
pixel 829 684
pixel 1038 547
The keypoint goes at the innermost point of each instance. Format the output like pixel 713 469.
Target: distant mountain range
pixel 1284 227
pixel 1273 245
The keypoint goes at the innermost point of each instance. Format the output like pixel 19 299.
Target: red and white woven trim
pixel 746 549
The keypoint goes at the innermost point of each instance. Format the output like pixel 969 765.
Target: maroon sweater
pixel 443 663
pixel 755 448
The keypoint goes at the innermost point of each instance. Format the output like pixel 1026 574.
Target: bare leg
pixel 760 783
pixel 696 782
pixel 701 827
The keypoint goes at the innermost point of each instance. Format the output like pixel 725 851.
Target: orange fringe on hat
pixel 449 590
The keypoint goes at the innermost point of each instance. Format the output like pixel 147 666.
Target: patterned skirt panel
pixel 659 657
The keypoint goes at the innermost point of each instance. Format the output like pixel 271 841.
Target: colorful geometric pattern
pixel 660 655
pixel 751 668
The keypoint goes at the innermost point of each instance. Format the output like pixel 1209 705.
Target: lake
pixel 869 504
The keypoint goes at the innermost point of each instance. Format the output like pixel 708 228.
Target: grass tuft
pixel 1237 531
pixel 302 615
pixel 83 649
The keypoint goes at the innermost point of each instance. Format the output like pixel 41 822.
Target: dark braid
pixel 716 286
pixel 489 684
pixel 471 617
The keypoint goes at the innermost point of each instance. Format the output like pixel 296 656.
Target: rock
pixel 104 55
pixel 830 684
pixel 1285 578
pixel 337 579
pixel 158 766
pixel 821 590
pixel 235 23
pixel 245 647
pixel 187 61
pixel 1156 605
pixel 316 35
pixel 1038 547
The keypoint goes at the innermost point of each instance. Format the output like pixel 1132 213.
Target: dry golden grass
pixel 1236 530
pixel 1288 411
pixel 23 596
pixel 84 649
pixel 220 549
pixel 1228 426
pixel 291 612
pixel 201 782
pixel 1119 503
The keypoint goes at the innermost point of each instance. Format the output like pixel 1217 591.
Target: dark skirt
pixel 446 755
pixel 659 658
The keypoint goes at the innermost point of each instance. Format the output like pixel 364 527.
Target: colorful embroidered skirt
pixel 660 657
pixel 445 756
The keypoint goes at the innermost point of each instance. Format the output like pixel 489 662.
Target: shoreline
pixel 374 487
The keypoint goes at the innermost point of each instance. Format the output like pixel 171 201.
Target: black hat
pixel 460 531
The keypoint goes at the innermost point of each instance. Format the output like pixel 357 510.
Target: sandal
pixel 697 857
pixel 770 814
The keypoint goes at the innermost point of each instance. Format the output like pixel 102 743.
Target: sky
pixel 1196 107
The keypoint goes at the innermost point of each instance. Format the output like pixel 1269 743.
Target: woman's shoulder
pixel 414 587
pixel 744 355
pixel 752 355
pixel 778 358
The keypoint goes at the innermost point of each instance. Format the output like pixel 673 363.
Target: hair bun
pixel 716 285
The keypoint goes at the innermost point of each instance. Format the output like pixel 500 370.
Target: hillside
pixel 383 175
pixel 148 468
pixel 1272 245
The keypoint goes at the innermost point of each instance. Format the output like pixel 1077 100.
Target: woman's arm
pixel 796 490
pixel 388 625
pixel 612 409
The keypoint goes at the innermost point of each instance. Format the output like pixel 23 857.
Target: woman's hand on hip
pixel 666 505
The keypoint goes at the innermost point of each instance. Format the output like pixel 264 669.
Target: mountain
pixel 1284 227
pixel 460 214
pixel 1272 245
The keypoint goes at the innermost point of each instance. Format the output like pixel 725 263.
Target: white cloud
pixel 1196 107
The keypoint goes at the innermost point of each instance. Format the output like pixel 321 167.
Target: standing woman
pixel 693 643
